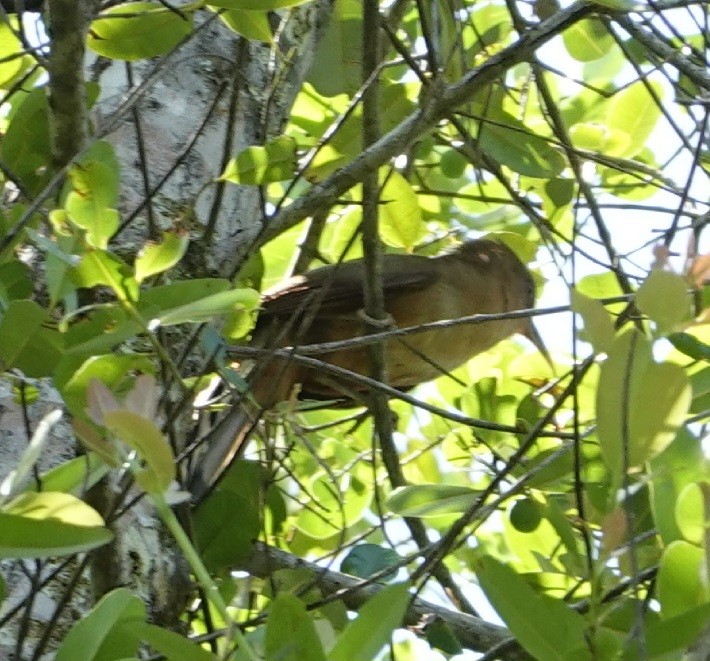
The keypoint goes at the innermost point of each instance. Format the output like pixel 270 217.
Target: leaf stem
pixel 201 573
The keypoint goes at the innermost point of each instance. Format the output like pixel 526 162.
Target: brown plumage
pixel 325 305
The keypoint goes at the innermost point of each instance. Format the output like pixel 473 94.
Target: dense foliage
pixel 573 499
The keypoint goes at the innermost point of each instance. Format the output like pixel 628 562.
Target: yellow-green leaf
pixel 158 257
pixel 249 24
pixel 274 161
pixel 598 326
pixel 641 404
pixel 40 525
pixel 664 298
pixel 681 586
pixel 143 435
pixel 135 30
pixel 401 221
pixel 635 111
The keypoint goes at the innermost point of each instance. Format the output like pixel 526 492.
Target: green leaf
pixel 664 298
pixel 25 147
pixel 337 65
pixel 680 464
pixel 90 204
pixel 453 164
pixel 334 510
pixel 113 370
pixel 73 476
pixel 598 326
pixel 16 279
pixel 669 638
pixel 46 524
pixel 183 292
pixel 692 512
pixel 11 52
pixel 99 331
pixel 97 444
pixel 135 30
pixel 27 342
pixel 629 184
pixel 621 5
pixel 599 285
pixel 226 525
pixel 212 306
pixel 513 144
pixel 98 267
pixel 365 560
pixel 337 242
pixel 681 586
pixel 363 638
pixel 429 500
pixel 591 136
pixel 441 636
pixel 30 455
pixel 143 435
pixel 158 257
pixel 547 628
pixel 172 645
pixel 635 112
pixel 250 24
pixel 640 404
pixel 98 635
pixel 401 223
pixel 257 5
pixel 490 28
pixel 690 345
pixel 588 40
pixel 275 161
pixel 61 257
pixel 290 632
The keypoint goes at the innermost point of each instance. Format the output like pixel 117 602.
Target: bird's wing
pixel 338 289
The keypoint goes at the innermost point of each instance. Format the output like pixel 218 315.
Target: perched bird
pixel 325 305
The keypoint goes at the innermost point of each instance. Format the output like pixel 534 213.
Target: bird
pixel 481 276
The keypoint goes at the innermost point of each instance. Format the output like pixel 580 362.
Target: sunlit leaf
pixel 598 326
pixel 401 222
pixel 641 404
pixel 664 298
pixel 211 306
pixel 425 500
pixel 692 512
pixel 90 204
pixel 588 40
pixel 158 257
pixel 136 30
pixel 681 585
pixel 46 524
pixel 274 161
pixel 635 111
pixel 249 24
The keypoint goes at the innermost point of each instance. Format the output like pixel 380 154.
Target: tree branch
pixel 433 106
pixel 472 632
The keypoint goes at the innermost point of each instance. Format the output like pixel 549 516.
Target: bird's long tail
pixel 224 443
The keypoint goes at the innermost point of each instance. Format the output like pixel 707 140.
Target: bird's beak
pixel 532 334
